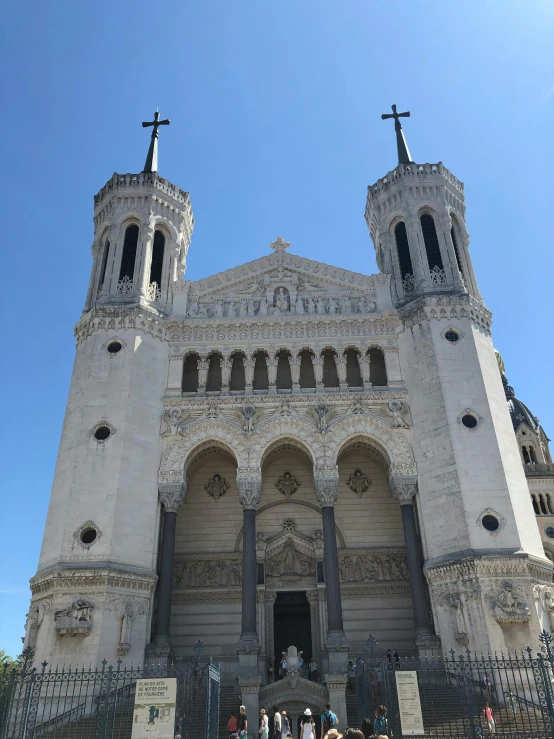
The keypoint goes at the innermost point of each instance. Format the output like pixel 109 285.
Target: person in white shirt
pixel 277 724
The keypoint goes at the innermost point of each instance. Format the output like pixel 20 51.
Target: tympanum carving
pixel 287 484
pixel 216 487
pixel 358 482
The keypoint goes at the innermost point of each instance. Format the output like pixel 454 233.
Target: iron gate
pixel 95 703
pixel 454 690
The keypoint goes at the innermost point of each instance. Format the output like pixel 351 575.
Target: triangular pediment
pixel 303 277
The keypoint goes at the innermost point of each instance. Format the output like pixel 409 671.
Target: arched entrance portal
pixel 292 625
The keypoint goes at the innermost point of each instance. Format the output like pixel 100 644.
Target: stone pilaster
pixel 250 690
pixel 336 685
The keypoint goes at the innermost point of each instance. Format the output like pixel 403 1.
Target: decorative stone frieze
pixel 508 606
pixel 195 573
pixel 76 619
pixel 372 566
pixel 92 579
pixel 438 307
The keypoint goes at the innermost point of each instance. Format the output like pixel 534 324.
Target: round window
pixel 469 421
pixel 452 335
pixel 490 522
pixel 549 531
pixel 88 536
pixel 114 347
pixel 102 433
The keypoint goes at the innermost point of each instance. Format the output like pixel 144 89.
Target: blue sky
pixel 276 129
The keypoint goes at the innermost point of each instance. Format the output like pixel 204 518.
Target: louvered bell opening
pixel 431 242
pixel 403 249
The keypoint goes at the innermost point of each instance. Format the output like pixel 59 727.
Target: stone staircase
pixel 229 701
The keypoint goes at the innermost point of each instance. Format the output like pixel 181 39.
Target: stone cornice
pixel 465 568
pixel 443 307
pixel 98 578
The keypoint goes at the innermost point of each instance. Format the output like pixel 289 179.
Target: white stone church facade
pixel 289 442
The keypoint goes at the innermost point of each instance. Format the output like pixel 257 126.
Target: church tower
pixel 101 534
pixel 482 549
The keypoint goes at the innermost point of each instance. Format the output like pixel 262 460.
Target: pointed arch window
pixel 155 281
pixel 403 249
pixel 525 455
pixel 127 269
pixel 432 248
pixel 103 265
pixel 453 233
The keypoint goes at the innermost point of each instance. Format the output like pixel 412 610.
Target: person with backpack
pixel 329 720
pixel 381 724
pixel 285 725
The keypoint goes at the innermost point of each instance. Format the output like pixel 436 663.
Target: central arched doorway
pixel 292 625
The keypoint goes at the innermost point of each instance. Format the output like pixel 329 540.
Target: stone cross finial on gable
pixel 279 245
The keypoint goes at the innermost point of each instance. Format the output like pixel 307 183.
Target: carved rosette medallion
pixel 287 484
pixel 216 487
pixel 358 482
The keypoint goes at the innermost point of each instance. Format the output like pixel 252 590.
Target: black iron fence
pixel 95 703
pixel 454 692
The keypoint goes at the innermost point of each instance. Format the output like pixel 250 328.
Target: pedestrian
pixel 312 670
pixel 308 726
pixel 243 722
pixel 232 724
pixel 264 725
pixel 353 734
pixel 489 718
pixel 276 723
pixel 367 728
pixel 329 720
pixel 381 724
pixel 351 674
pixel 389 655
pixel 333 734
pixel 512 704
pixel 396 656
pixel 285 725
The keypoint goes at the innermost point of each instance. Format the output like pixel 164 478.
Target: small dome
pixel 519 414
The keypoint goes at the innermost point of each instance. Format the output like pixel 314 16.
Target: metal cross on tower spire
pixel 151 163
pixel 404 156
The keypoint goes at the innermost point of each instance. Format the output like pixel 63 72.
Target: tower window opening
pixel 403 249
pixel 532 455
pixel 535 505
pixel 114 347
pixel 238 379
pixel 353 374
pixel 284 378
pixel 525 455
pixel 549 503
pixel 456 250
pixel 542 504
pixel 155 281
pixel 128 257
pixel 103 265
pixel 213 383
pixel 88 536
pixel 330 375
pixel 469 421
pixel 377 368
pixel 190 374
pixel 431 242
pixel 490 522
pixel 261 379
pixel 451 335
pixel 307 376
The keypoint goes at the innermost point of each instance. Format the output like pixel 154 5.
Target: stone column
pixel 226 364
pixel 365 369
pixel 340 363
pixel 294 363
pixel 203 365
pixel 404 490
pixel 250 489
pixel 317 361
pixel 248 364
pixel 443 225
pixel 142 273
pixel 272 363
pixel 326 488
pixel 417 251
pixel 171 496
pixel 175 371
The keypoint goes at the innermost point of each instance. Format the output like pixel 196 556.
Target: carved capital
pixel 403 489
pixel 172 496
pixel 250 491
pixel 326 485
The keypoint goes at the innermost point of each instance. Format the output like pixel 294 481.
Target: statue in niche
pixel 358 482
pixel 219 309
pixel 311 308
pixel 243 309
pixel 287 484
pixel 35 617
pixel 321 409
pixel 319 306
pixel 172 419
pixel 332 306
pixel 289 562
pixel 345 304
pixel 231 310
pixel 251 310
pixel 263 307
pixel 216 487
pixel 192 311
pixel 203 311
pixel 299 307
pixel 124 644
pixel 281 301
pixel 395 407
pixel 248 411
pixel 549 606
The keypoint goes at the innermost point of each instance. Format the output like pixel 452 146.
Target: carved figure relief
pixel 508 607
pixel 281 301
pixel 248 411
pixel 35 617
pixel 76 619
pixel 207 573
pixel 216 487
pixel 372 567
pixel 172 419
pixel 124 642
pixel 321 409
pixel 290 563
pixel 358 482
pixel 287 484
pixel 396 407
